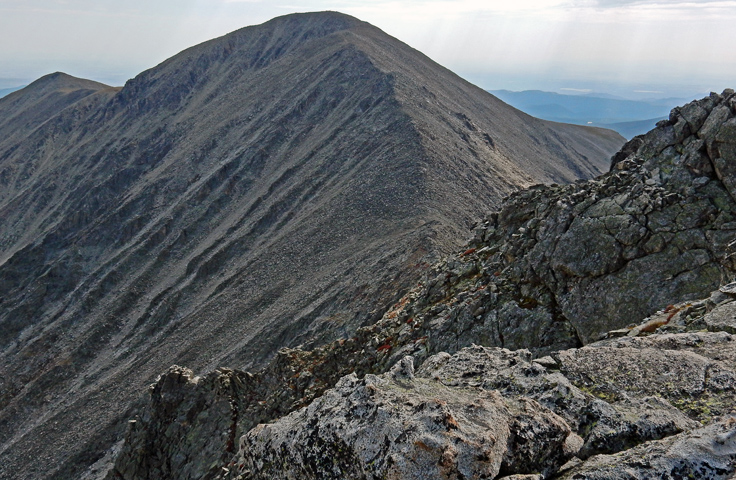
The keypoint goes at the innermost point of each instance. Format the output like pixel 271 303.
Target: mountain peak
pixel 29 107
pixel 64 81
pixel 335 21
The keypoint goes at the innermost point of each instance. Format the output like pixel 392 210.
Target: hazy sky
pixel 625 47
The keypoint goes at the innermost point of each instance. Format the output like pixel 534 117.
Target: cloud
pixel 620 3
pixel 681 6
pixel 446 8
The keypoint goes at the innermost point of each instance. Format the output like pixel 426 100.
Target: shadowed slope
pixel 284 181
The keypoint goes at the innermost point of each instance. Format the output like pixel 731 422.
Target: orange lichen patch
pixel 651 326
pixel 398 306
pixel 449 457
pixel 450 421
pixel 674 310
pixel 422 446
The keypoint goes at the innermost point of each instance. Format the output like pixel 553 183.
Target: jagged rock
pixel 190 425
pixel 613 394
pixel 557 267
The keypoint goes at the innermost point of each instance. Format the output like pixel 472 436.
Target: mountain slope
pixel 282 184
pixel 7 91
pixel 554 270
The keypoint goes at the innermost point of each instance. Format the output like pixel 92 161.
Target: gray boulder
pixel 704 453
pixel 488 412
pixel 399 425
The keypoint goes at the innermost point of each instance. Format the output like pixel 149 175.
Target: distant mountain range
pixel 6 91
pixel 627 117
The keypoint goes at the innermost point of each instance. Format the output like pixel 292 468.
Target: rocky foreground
pixel 586 332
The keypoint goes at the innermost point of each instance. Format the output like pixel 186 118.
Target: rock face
pixel 283 183
pixel 623 362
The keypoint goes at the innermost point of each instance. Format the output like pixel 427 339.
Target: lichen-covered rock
pixel 722 318
pixel 485 412
pixel 602 424
pixel 403 426
pixel 704 453
pixel 700 386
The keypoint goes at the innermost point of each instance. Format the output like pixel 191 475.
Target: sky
pixel 631 48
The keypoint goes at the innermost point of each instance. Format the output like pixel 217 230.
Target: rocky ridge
pixel 549 286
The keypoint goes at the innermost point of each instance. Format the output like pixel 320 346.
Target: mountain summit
pixel 282 184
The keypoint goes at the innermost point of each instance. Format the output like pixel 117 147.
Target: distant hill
pixel 631 129
pixel 282 184
pixel 627 117
pixel 6 91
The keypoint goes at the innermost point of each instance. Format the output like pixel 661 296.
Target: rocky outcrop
pixel 485 411
pixel 489 412
pixel 559 266
pixel 402 425
pixel 592 314
pixel 706 453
